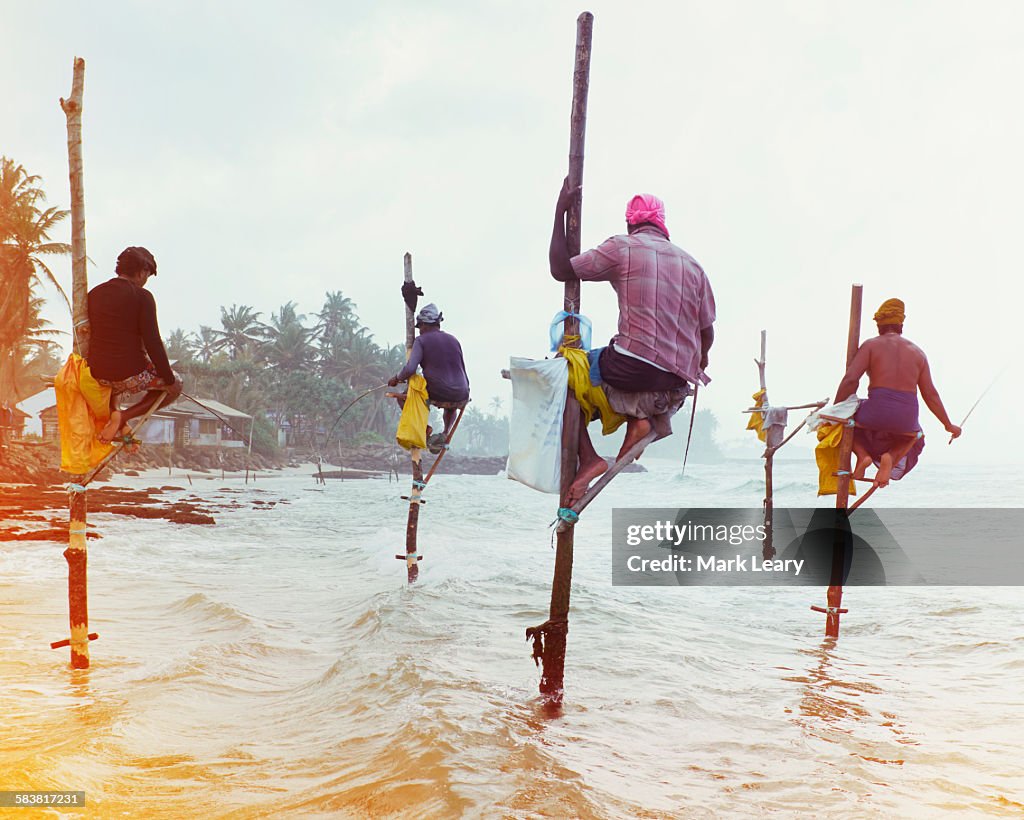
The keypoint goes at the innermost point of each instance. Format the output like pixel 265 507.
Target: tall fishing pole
pixel 983 393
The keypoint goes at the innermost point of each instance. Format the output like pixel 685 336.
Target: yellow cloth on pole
pixel 83 410
pixel 412 426
pixel 590 397
pixel 756 420
pixel 827 456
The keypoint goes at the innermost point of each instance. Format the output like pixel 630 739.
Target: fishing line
pixel 983 393
pixel 218 415
pixel 357 398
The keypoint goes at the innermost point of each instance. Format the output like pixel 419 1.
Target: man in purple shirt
pixel 439 354
pixel 666 319
pixel 126 352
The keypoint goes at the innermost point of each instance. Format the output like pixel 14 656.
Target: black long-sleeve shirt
pixel 122 321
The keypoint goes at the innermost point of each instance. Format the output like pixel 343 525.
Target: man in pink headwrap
pixel 666 323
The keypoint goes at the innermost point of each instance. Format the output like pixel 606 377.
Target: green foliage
pixel 300 375
pixel 483 434
pixel 703 447
pixel 25 228
pixel 369 437
pixel 264 435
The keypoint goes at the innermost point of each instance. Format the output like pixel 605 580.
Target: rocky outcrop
pixel 382 458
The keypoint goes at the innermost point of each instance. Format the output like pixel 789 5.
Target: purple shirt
pixel 440 356
pixel 665 299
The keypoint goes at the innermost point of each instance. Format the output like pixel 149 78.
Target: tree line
pixel 293 373
pixel 28 345
pixel 288 371
pixel 318 377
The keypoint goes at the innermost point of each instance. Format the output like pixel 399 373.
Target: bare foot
pixel 859 473
pixel 109 432
pixel 636 429
pixel 588 472
pixel 884 470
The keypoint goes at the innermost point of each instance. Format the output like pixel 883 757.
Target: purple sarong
pixel 881 418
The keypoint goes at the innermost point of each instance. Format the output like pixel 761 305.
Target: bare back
pixel 894 362
pixel 897 364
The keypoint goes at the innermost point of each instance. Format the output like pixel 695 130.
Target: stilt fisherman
pixel 897 368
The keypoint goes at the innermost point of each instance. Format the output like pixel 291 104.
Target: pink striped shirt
pixel 665 299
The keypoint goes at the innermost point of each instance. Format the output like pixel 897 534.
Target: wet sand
pixel 33 513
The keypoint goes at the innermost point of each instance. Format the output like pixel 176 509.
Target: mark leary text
pixel 709 563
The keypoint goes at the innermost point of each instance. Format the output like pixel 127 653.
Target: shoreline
pixel 36 463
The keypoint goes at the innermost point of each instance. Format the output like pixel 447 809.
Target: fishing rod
pixel 983 393
pixel 240 433
pixel 224 421
pixel 347 406
pixel 689 435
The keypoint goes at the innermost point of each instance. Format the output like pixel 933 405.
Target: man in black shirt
pixel 126 352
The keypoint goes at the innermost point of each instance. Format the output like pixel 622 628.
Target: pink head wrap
pixel 646 208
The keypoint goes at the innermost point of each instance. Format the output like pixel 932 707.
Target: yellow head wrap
pixel 892 312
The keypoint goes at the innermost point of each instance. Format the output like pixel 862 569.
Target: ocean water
pixel 278 665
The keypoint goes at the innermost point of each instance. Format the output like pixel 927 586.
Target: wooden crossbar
pixel 631 455
pixel 119 444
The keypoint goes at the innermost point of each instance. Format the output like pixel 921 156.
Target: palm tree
pixel 241 329
pixel 338 315
pixel 180 345
pixel 393 359
pixel 362 364
pixel 289 348
pixel 207 344
pixel 24 240
pixel 287 342
pixel 34 357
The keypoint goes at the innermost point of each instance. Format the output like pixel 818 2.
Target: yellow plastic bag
pixel 827 456
pixel 589 396
pixel 756 420
pixel 83 409
pixel 412 426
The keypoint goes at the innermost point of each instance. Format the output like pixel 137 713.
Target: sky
pixel 268 154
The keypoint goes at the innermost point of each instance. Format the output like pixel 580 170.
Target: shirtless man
pixel 896 369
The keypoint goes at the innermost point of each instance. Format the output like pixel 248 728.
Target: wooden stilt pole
pixel 76 554
pixel 447 443
pixel 248 452
pixel 773 439
pixel 86 480
pixel 835 589
pixel 72 108
pixel 553 634
pixel 631 455
pixel 411 557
